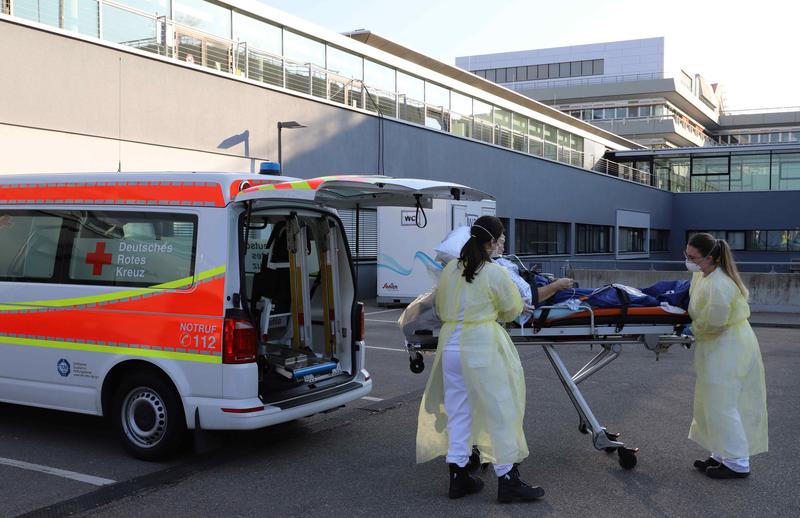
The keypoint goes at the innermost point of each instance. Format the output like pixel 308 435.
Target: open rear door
pixel 364 191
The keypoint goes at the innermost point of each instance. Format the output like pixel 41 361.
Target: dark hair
pixel 721 254
pixel 474 253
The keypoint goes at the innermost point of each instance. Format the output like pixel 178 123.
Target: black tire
pixel 627 458
pixel 148 417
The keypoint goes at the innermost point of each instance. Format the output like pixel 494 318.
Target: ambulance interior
pixel 300 294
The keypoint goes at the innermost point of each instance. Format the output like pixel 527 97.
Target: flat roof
pixel 744 149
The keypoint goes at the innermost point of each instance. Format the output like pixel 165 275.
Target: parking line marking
pixel 385 348
pixel 370 398
pixel 80 477
pixel 383 311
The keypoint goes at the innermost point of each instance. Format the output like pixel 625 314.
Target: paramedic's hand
pixel 528 308
pixel 564 283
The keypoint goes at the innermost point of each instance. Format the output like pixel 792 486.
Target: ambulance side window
pixel 133 249
pixel 29 244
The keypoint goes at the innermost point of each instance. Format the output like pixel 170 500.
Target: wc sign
pixel 408 218
pixel 471 219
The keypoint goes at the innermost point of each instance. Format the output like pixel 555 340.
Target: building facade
pixel 193 85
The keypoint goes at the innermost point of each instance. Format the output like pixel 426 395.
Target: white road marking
pixel 385 348
pixel 370 398
pixel 384 321
pixel 383 311
pixel 80 477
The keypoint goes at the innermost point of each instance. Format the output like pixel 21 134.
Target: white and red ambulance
pixel 175 301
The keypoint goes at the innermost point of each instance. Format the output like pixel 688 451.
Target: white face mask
pixel 692 267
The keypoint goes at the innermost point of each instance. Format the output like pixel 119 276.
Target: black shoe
pixel 723 471
pixel 462 483
pixel 510 486
pixel 474 460
pixel 708 463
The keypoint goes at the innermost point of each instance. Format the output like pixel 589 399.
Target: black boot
pixel 723 471
pixel 510 486
pixel 462 483
pixel 703 464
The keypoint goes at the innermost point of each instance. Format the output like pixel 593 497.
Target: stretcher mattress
pixel 604 316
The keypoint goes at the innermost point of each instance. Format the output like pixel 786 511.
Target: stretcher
pixel 655 328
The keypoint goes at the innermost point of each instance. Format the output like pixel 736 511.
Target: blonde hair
pixel 720 252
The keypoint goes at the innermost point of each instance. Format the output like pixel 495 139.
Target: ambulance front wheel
pixel 148 416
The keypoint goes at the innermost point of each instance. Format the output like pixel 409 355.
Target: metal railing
pixel 566 267
pixel 574 81
pixel 757 111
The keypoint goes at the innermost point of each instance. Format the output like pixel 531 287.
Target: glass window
pixel 540 237
pixel 597 69
pixel 586 68
pixel 575 68
pixel 659 240
pixel 148 6
pixel 793 240
pixel 620 113
pixel 203 16
pixel 593 239
pixel 491 75
pixel 127 28
pixel 777 241
pixel 522 73
pixel 535 144
pixel 379 76
pixel 437 99
pixel 502 121
pixel 461 114
pixel 749 172
pixel 563 69
pixel 533 72
pixel 631 239
pixel 520 126
pixel 483 128
pixel 736 239
pixel 30 244
pixel 42 11
pixel 258 35
pixel 345 64
pixel 500 75
pixel 511 74
pixel 786 171
pixel 553 71
pixel 81 16
pixel 410 98
pixel 550 142
pixel 132 248
pixel 710 174
pixel 303 50
pixel 755 240
pixel 544 71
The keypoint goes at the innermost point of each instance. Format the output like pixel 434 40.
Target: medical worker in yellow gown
pixel 476 391
pixel 730 399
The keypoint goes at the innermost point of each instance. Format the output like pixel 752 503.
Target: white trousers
pixel 739 465
pixel 456 406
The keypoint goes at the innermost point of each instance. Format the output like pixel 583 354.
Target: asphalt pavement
pixel 359 461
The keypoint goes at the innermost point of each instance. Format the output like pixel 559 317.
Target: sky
pixel 751 48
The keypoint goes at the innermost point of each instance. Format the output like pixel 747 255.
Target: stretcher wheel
pixel 627 457
pixel 417 364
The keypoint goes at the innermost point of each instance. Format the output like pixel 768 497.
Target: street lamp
pixel 287 125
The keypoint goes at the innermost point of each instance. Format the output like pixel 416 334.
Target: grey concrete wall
pixel 768 291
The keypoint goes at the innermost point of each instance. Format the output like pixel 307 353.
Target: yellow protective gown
pixel 730 397
pixel 490 365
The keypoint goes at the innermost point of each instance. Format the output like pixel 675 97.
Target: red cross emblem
pixel 98 258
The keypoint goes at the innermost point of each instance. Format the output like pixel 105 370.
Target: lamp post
pixel 287 125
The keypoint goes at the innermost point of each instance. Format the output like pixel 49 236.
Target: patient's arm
pixel 548 290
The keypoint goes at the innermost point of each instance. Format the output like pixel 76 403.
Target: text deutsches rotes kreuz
pixel 126 262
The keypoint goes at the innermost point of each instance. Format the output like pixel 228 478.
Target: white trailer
pixel 405 245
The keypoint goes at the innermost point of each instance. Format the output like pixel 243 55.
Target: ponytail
pixel 720 252
pixel 473 253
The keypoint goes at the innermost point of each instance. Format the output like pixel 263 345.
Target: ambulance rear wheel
pixel 148 416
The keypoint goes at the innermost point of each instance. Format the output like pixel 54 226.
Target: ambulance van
pixel 186 301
